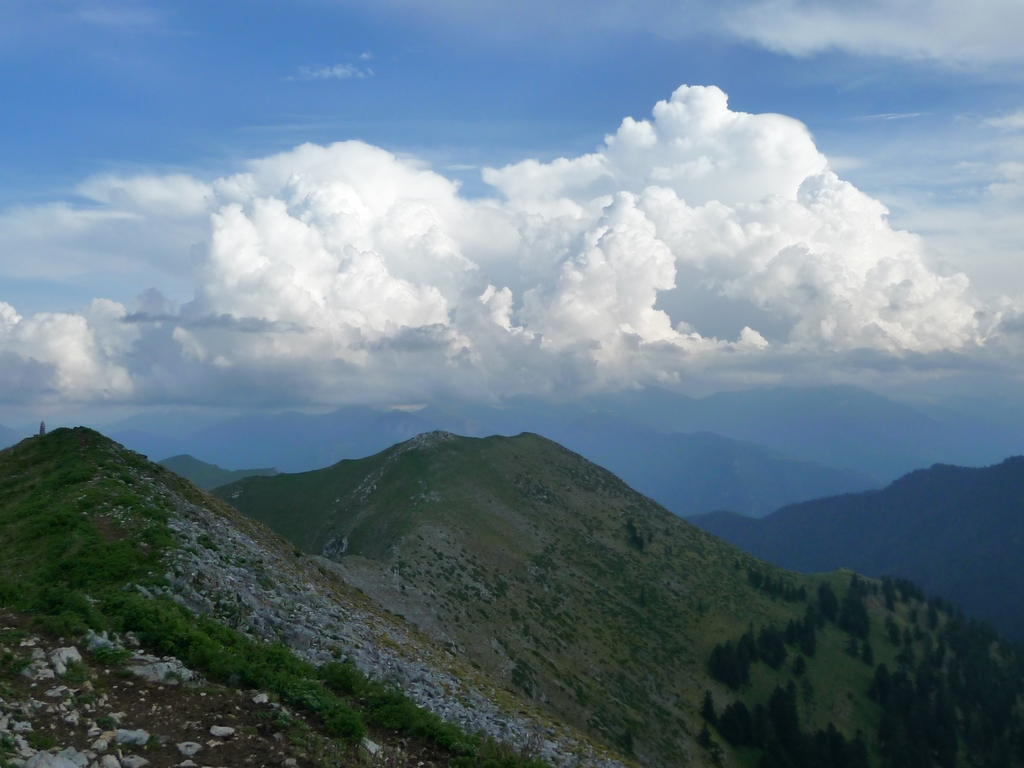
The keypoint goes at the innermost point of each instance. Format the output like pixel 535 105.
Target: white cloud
pixel 946 31
pixel 336 72
pixel 133 224
pixel 173 196
pixel 695 145
pixel 78 352
pixel 342 272
pixel 1011 122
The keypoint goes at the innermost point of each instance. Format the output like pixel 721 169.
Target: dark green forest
pixel 954 689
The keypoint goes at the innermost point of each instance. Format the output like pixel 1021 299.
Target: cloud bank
pixel 345 273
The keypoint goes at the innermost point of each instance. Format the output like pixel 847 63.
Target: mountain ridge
pixel 957 531
pixel 9 437
pixel 581 595
pixel 98 538
pixel 208 476
pixel 689 473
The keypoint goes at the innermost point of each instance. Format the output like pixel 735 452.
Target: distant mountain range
pixel 208 476
pixel 773 446
pixel 693 473
pixel 9 437
pixel 956 531
pixel 842 427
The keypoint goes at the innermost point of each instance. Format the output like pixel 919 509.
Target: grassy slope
pixel 81 518
pixel 207 476
pixel 521 551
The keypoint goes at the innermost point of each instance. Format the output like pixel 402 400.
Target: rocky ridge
pixel 233 569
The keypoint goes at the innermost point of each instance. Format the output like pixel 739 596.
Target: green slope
pixel 208 476
pixel 87 531
pixel 577 592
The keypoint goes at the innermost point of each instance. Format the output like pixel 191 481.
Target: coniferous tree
pixel 792 636
pixel 853 615
pixel 736 725
pixel 707 709
pixel 828 603
pixel 729 666
pixel 880 684
pixel 852 647
pixel 704 737
pixel 747 647
pixel 893 629
pixel 799 666
pixel 867 653
pixel 771 647
pixel 889 591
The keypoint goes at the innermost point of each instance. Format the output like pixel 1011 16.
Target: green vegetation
pixel 82 518
pixel 966 690
pixel 594 602
pixel 578 593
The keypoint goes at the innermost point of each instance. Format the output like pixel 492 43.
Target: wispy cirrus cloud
pixel 335 72
pixel 893 116
pixel 119 15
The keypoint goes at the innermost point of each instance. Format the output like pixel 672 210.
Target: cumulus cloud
pixel 72 357
pixel 343 272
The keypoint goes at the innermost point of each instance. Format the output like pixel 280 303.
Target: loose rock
pixel 46 760
pixel 139 737
pixel 188 748
pixel 61 657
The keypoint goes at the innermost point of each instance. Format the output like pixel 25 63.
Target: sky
pixel 311 203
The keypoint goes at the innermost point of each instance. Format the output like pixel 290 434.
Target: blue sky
pixel 92 86
pixel 917 104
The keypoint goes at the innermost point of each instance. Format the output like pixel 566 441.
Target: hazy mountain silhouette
pixel 956 531
pixel 208 476
pixel 9 437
